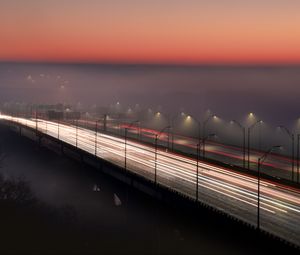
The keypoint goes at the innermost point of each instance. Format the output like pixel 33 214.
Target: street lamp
pixel 159 114
pixel 205 122
pixel 76 141
pixel 104 122
pixel 96 131
pixel 199 125
pixel 57 128
pixel 96 136
pixel 172 125
pixel 292 137
pixel 197 172
pixel 46 124
pixel 260 161
pixel 244 140
pixel 157 135
pixel 126 130
pixel 203 141
pixel 86 119
pixel 298 151
pixel 198 157
pixel 138 134
pixel 36 122
pixel 249 130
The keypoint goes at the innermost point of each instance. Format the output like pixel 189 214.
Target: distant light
pixel 215 117
pixel 158 113
pixel 251 114
pixel 188 117
pixel 118 102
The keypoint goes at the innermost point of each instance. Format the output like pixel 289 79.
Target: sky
pixel 150 31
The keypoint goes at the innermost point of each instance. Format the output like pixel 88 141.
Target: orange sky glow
pixel 170 31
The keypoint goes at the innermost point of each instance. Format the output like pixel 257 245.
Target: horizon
pixel 158 64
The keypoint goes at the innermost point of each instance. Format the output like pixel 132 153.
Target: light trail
pixel 234 193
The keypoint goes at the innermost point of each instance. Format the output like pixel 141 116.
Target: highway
pixel 278 166
pixel 230 192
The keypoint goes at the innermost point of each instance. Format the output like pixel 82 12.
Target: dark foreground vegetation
pixel 30 226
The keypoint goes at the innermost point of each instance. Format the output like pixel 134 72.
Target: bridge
pixel 262 203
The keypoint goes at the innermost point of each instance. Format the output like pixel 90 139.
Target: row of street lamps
pixel 249 130
pixel 201 138
pixel 243 129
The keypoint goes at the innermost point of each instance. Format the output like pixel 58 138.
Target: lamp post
pixel 292 137
pixel 249 131
pixel 36 122
pixel 104 122
pixel 205 122
pixel 46 124
pixel 58 129
pixel 155 161
pixel 104 119
pixel 96 136
pixel 76 142
pixel 125 141
pixel 138 135
pixel 260 161
pixel 199 126
pixel 244 140
pixel 96 132
pixel 168 118
pixel 172 126
pixel 197 172
pixel 298 151
pixel 203 143
pixel 198 157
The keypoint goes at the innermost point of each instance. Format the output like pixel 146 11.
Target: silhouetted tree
pixel 30 222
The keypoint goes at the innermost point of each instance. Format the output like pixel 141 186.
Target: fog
pixel 230 92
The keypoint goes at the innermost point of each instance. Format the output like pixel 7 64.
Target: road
pixel 233 193
pixel 276 165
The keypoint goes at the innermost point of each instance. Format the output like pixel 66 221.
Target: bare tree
pixel 15 190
